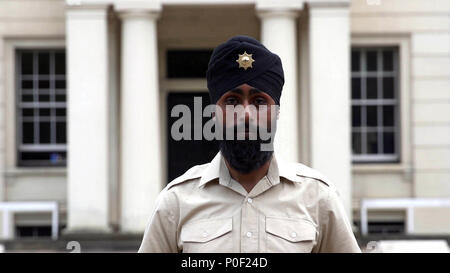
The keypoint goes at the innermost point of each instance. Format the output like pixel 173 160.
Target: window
pixel 374 92
pixel 383 227
pixel 192 63
pixel 41 107
pixel 33 231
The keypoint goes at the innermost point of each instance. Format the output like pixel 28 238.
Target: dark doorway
pixel 184 154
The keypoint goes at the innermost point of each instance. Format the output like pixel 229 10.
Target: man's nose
pixel 248 113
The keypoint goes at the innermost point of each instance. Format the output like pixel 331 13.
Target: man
pixel 247 199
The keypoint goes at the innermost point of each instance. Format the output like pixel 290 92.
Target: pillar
pixel 141 159
pixel 329 93
pixel 279 34
pixel 88 125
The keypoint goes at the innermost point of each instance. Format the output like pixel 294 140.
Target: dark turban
pixel 224 72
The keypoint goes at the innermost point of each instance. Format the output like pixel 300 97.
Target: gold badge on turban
pixel 245 60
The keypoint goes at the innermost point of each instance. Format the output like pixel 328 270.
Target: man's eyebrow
pixel 254 91
pixel 239 91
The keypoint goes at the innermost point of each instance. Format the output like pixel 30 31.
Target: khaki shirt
pixel 292 209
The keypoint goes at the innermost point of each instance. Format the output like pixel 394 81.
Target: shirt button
pixel 205 234
pixel 249 200
pixel 249 234
pixel 293 234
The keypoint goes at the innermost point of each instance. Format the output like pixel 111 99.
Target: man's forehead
pixel 240 90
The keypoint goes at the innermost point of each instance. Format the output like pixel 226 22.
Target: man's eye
pixel 260 101
pixel 231 100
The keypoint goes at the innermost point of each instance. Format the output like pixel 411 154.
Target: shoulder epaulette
pixel 193 173
pixel 305 171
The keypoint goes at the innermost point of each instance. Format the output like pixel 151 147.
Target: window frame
pixel 178 51
pixel 379 157
pixel 11 44
pixel 402 41
pixel 52 106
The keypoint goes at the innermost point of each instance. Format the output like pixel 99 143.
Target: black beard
pixel 245 155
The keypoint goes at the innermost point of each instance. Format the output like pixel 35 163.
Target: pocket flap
pixel 293 230
pixel 205 230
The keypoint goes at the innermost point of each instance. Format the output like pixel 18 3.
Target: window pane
pixel 388 115
pixel 44 63
pixel 372 88
pixel 388 87
pixel 388 143
pixel 356 143
pixel 27 98
pixel 28 112
pixel 27 132
pixel 371 61
pixel 60 63
pixel 388 60
pixel 44 132
pixel 43 112
pixel 356 116
pixel 187 63
pixel 44 84
pixel 60 84
pixel 35 156
pixel 61 112
pixel 356 60
pixel 61 132
pixel 60 98
pixel 372 118
pixel 55 158
pixel 356 88
pixel 44 98
pixel 372 143
pixel 27 84
pixel 27 63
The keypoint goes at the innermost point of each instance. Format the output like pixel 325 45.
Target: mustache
pixel 247 127
pixel 256 133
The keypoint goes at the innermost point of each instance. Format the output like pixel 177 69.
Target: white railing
pixel 9 208
pixel 407 204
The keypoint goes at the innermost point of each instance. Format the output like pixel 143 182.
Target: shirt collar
pixel 212 171
pixel 218 169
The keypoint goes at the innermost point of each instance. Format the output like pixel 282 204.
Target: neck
pixel 249 180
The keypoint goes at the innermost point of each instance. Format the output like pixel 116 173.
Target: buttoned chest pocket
pixel 289 235
pixel 207 236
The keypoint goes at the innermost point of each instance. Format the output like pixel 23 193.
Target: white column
pixel 329 94
pixel 279 35
pixel 87 72
pixel 141 159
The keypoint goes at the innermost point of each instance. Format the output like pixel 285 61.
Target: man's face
pixel 252 108
pixel 246 115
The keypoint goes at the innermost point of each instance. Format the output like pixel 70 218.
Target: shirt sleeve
pixel 161 233
pixel 335 235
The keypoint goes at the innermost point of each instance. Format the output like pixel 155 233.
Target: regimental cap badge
pixel 245 60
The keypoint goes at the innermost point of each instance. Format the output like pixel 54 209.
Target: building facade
pixel 86 90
